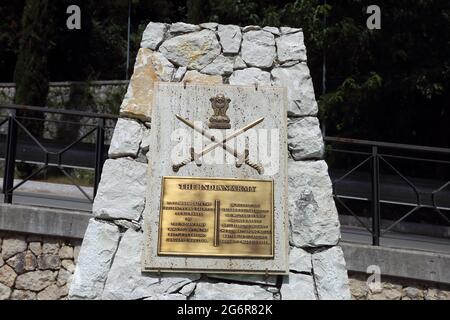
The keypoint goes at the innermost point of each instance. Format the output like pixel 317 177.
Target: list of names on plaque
pixel 216 217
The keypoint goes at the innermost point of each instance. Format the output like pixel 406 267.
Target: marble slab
pixel 170 142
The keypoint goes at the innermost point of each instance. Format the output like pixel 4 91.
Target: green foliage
pixel 11 13
pixel 30 75
pixel 196 10
pixel 235 11
pixel 346 107
pixel 389 84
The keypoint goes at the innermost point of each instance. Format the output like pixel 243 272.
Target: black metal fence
pixel 23 145
pixel 398 182
pixel 381 186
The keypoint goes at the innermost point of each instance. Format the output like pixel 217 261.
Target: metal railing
pixel 370 188
pixel 16 119
pixel 376 155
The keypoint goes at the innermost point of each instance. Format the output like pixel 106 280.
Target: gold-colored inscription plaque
pixel 216 217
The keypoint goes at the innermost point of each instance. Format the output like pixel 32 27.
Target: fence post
pixel 375 197
pixel 99 153
pixel 10 158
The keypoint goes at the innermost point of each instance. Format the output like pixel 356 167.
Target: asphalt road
pixel 397 240
pixel 393 188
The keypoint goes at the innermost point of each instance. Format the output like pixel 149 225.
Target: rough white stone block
pixel 221 66
pixel 287 30
pixel 250 76
pixel 228 291
pixel 247 278
pixel 330 275
pixel 258 49
pixel 121 192
pixel 230 38
pixel 250 28
pixel 195 77
pixel 273 30
pixel 291 47
pixel 179 74
pixel 175 296
pixel 125 280
pixel 126 138
pixel 150 66
pixel 188 289
pixel 209 25
pixel 153 35
pixel 298 287
pixel 300 260
pixel 289 63
pixel 145 143
pixel 313 216
pixel 162 67
pixel 181 27
pixel 96 255
pixel 193 50
pixel 302 101
pixel 239 63
pixel 305 139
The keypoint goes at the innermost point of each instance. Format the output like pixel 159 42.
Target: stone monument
pixel 168 224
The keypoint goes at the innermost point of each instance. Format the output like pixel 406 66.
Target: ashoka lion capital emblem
pixel 219 119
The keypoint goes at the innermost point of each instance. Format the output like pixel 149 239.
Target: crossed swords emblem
pixel 241 157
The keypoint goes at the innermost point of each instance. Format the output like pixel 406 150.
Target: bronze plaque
pixel 216 217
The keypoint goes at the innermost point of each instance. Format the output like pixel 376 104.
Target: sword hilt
pixel 255 166
pixel 177 167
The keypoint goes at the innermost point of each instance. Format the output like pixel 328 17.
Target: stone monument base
pixel 109 264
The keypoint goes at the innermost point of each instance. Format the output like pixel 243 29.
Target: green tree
pixel 11 12
pixel 197 10
pixel 31 74
pixel 400 73
pixel 390 84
